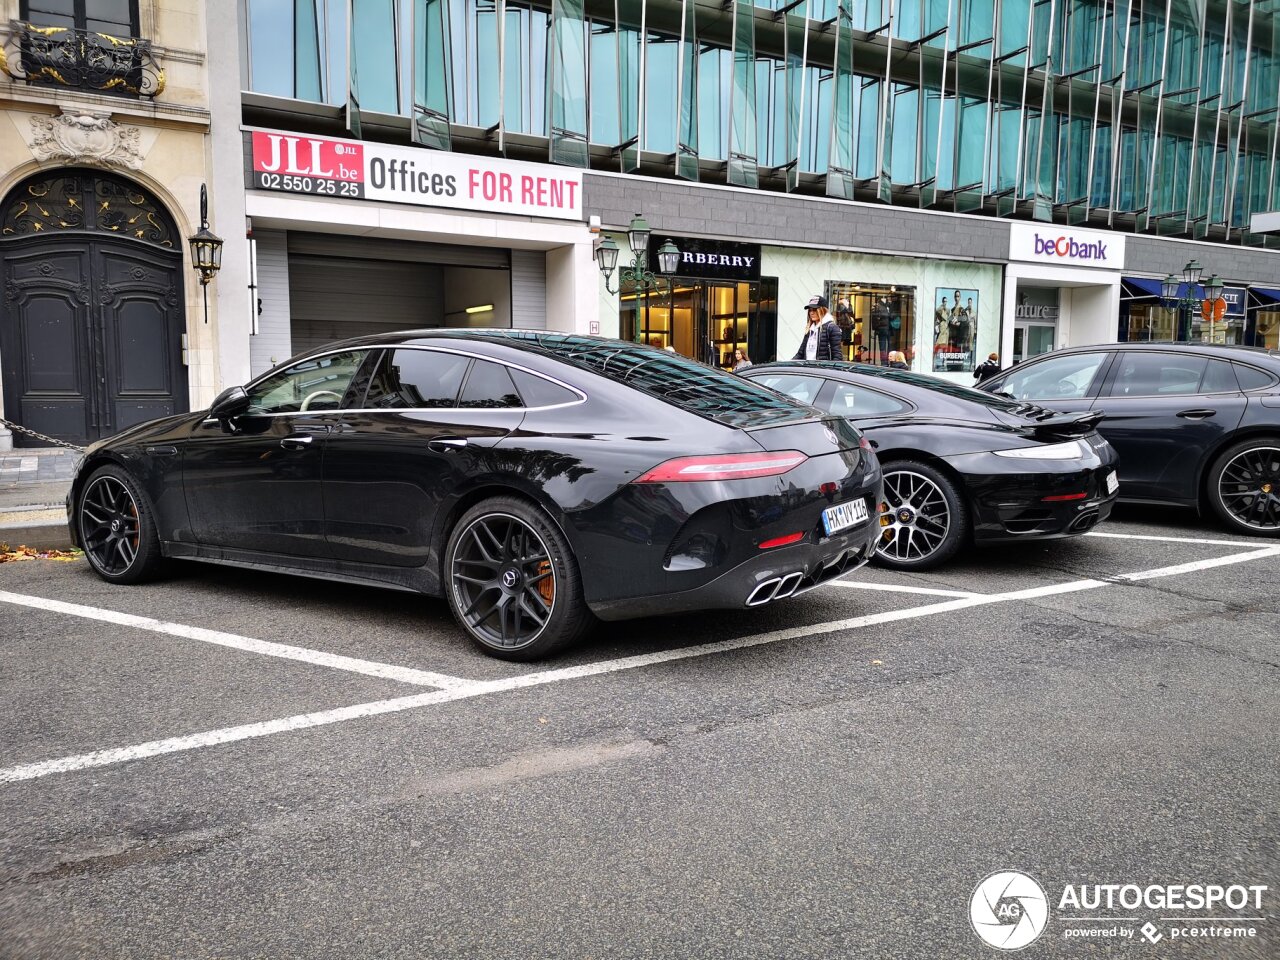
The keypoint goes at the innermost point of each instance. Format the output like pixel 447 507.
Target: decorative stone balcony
pixel 80 59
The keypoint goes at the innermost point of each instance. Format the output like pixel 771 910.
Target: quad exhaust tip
pixel 775 588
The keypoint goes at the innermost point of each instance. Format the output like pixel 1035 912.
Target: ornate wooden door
pixel 92 320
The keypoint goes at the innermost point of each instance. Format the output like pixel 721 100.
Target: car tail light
pixel 729 466
pixel 782 541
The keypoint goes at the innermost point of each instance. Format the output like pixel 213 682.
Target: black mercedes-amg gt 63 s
pixel 959 464
pixel 537 481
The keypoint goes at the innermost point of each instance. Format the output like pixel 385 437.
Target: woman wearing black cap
pixel 822 337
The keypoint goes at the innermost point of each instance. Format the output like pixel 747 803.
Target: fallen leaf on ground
pixel 11 554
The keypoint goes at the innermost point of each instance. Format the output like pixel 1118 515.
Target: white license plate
pixel 844 515
pixel 1113 482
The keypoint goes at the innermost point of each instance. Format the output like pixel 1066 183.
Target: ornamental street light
pixel 206 250
pixel 1211 304
pixel 638 275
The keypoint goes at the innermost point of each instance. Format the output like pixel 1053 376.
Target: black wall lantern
pixel 206 250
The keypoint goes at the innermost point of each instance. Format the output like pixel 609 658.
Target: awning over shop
pixel 1264 298
pixel 1138 288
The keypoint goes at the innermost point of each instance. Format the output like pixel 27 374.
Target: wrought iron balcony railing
pixel 81 59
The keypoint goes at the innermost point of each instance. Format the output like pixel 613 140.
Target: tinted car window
pixel 317 384
pixel 488 386
pixel 1157 374
pixel 1251 378
pixel 416 379
pixel 681 382
pixel 804 389
pixel 538 392
pixel 1219 378
pixel 1058 378
pixel 851 400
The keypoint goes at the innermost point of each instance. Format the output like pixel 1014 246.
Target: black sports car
pixel 1195 425
pixel 534 480
pixel 959 463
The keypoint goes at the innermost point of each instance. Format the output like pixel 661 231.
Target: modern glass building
pixel 964 120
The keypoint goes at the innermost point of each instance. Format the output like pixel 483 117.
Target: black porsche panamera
pixel 536 481
pixel 959 464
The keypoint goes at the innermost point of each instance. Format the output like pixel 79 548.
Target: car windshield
pixel 687 384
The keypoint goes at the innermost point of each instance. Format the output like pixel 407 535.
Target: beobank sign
pixel 358 170
pixel 1047 243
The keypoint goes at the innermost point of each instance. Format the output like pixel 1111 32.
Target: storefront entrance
pixel 716 305
pixel 705 319
pixel 1032 339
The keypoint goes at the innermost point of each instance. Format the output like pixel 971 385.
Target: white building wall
pixel 271 344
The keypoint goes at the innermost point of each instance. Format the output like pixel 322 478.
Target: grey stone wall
pixel 759 216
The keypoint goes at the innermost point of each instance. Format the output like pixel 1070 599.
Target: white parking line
pixel 469 690
pixel 895 588
pixel 385 671
pixel 1144 536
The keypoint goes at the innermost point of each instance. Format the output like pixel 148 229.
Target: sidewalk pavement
pixel 33 491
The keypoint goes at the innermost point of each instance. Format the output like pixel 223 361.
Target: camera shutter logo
pixel 1009 910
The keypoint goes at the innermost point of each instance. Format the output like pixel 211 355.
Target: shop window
pixel 875 320
pixel 705 320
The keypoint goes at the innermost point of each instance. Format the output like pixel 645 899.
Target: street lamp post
pixel 1184 296
pixel 638 274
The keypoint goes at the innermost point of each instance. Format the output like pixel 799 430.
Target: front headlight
pixel 1070 450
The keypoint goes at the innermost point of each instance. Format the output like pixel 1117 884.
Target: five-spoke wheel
pixel 923 518
pixel 512 582
pixel 116 527
pixel 1244 486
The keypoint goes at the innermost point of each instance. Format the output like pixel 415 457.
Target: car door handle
pixel 299 441
pixel 446 444
pixel 1196 414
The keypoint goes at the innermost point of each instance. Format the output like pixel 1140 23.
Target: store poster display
pixel 955 329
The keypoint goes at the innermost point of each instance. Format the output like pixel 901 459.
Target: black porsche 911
pixel 960 464
pixel 535 480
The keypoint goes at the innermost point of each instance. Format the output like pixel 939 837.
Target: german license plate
pixel 843 515
pixel 1113 483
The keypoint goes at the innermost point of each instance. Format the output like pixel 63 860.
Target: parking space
pixel 811 778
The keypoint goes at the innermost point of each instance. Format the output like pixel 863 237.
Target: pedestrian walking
pixel 988 368
pixel 822 335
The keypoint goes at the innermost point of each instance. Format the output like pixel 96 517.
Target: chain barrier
pixel 40 436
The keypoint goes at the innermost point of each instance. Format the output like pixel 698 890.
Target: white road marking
pixel 1144 536
pixel 468 690
pixel 894 588
pixel 385 671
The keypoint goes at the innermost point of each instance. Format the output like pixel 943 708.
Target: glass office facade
pixel 1156 117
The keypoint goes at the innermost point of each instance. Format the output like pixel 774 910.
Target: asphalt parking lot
pixel 235 764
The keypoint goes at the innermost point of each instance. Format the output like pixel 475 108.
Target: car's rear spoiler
pixel 1052 425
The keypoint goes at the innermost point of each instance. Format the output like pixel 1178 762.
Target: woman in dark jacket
pixel 822 339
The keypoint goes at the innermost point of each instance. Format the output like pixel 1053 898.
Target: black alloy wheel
pixel 512 582
pixel 117 527
pixel 923 517
pixel 1244 487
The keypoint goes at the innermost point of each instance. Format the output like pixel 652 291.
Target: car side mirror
pixel 229 403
